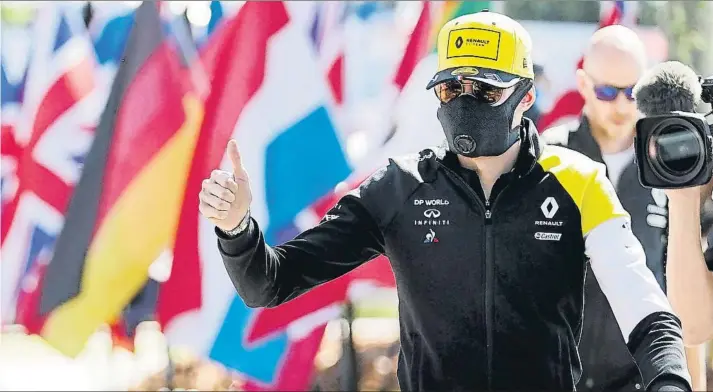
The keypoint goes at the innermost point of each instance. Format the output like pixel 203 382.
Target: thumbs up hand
pixel 225 197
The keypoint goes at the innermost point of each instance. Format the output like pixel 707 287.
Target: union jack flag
pixel 569 105
pixel 46 147
pixel 10 103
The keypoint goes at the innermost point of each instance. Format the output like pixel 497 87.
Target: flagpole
pixel 170 368
pixel 349 363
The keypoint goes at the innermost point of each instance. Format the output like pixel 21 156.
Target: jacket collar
pixel 530 148
pixel 582 140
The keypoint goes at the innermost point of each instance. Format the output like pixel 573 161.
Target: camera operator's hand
pixel 689 282
pixel 225 197
pixel 685 197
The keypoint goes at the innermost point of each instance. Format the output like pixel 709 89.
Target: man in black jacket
pixel 614 61
pixel 488 237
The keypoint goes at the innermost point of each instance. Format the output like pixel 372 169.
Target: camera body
pixel 675 150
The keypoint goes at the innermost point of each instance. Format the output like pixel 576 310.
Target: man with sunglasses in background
pixel 488 237
pixel 614 61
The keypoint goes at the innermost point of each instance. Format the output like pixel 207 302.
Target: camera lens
pixel 676 150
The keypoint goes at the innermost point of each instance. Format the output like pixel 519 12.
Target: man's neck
pixel 612 145
pixel 489 169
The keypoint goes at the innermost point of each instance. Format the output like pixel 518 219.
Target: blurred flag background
pixel 112 113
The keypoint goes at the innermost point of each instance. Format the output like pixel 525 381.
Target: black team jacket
pixel 490 290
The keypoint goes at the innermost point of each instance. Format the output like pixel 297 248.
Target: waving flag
pixel 569 105
pixel 268 92
pixel 124 212
pixel 233 82
pixel 47 145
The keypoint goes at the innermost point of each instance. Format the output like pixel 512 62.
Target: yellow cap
pixel 485 46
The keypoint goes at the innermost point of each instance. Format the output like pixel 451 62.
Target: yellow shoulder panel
pixel 586 182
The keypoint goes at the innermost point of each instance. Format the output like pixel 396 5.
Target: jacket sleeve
pixel 346 237
pixel 651 330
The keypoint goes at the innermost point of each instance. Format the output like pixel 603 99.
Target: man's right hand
pixel 225 197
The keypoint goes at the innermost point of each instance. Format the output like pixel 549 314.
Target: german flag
pixel 125 208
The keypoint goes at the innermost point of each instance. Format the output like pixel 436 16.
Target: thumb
pixel 234 156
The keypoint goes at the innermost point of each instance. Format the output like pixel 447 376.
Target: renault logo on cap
pixel 459 42
pixel 465 71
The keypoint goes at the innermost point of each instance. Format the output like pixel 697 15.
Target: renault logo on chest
pixel 549 207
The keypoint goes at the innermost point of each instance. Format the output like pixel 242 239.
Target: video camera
pixel 674 145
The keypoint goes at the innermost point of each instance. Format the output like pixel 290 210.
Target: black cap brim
pixel 492 77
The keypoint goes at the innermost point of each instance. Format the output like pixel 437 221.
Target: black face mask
pixel 477 129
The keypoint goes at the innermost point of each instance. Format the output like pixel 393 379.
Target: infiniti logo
pixel 432 213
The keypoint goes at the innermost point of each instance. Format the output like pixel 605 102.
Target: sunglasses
pixel 483 92
pixel 605 92
pixel 608 93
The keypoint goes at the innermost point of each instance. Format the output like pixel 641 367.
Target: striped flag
pixel 124 212
pixel 47 146
pixel 269 93
pixel 569 105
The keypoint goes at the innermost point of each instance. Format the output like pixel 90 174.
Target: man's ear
pixel 528 100
pixel 581 80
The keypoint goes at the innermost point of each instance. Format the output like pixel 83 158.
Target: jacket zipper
pixel 489 267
